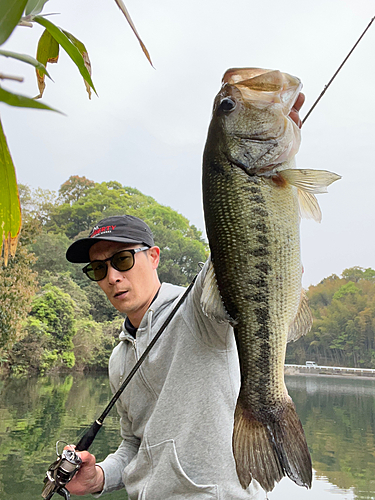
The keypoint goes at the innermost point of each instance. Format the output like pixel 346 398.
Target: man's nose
pixel 113 275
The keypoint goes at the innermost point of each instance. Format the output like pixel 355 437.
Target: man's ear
pixel 154 256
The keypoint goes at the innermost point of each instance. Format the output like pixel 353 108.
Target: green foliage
pixel 94 342
pixel 10 14
pixel 345 290
pixel 358 273
pixel 18 284
pixel 50 249
pixel 343 332
pixel 84 204
pixel 101 309
pixel 71 322
pixel 51 324
pixel 75 188
pixel 10 210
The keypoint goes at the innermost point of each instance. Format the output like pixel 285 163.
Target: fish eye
pixel 227 104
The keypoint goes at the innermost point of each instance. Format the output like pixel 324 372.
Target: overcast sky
pixel 148 127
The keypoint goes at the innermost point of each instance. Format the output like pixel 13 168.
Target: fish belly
pixel 253 230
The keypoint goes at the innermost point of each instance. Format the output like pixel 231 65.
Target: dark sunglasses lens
pixel 96 271
pixel 123 261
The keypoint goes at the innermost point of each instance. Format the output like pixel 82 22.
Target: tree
pixel 26 13
pixel 74 188
pixel 50 249
pixel 357 273
pixel 52 314
pixel 343 331
pixel 18 284
pixel 182 245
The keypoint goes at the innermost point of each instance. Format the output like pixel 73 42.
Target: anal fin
pixel 303 321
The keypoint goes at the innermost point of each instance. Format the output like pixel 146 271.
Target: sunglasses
pixel 121 261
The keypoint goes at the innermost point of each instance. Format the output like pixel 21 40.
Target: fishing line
pixel 334 76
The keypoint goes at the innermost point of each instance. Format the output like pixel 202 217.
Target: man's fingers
pixel 299 102
pixel 86 457
pixel 294 115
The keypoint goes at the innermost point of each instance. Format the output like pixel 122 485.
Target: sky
pixel 148 127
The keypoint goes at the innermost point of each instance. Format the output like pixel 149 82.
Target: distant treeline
pixel 343 332
pixel 52 318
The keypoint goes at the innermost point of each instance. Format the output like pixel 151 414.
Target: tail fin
pixel 267 451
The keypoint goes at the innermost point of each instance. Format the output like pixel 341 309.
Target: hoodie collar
pixel 166 295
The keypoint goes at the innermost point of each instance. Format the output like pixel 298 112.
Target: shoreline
pixel 334 374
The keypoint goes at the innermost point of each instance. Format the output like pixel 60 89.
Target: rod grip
pixel 86 440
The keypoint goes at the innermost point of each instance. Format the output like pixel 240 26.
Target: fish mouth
pixel 263 84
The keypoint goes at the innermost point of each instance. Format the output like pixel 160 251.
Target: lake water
pixel 338 415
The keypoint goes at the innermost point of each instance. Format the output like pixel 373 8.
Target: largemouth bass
pixel 253 199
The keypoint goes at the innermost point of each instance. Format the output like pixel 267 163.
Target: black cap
pixel 121 228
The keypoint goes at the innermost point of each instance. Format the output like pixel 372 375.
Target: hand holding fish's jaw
pixel 294 114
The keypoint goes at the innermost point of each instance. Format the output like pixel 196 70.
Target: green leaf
pixel 10 208
pixel 34 7
pixel 22 101
pixel 27 59
pixel 47 52
pixel 10 14
pixel 82 49
pixel 68 46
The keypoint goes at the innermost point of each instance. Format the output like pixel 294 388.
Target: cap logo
pixel 100 230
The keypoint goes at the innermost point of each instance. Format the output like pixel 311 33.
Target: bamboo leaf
pixel 34 7
pixel 10 208
pixel 47 52
pixel 124 10
pixel 68 46
pixel 22 101
pixel 82 49
pixel 27 59
pixel 10 14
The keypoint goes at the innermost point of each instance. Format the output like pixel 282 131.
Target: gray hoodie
pixel 177 412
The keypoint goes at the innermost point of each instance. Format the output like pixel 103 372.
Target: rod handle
pixel 86 440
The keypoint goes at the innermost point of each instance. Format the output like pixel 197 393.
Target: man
pixel 177 412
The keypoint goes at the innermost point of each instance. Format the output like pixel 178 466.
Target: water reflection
pixel 338 416
pixel 34 414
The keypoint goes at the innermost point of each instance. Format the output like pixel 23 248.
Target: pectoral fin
pixel 311 181
pixel 308 183
pixel 211 302
pixel 303 321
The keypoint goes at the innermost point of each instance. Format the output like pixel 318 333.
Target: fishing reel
pixel 60 473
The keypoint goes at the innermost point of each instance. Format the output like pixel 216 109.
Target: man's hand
pixel 294 114
pixel 89 478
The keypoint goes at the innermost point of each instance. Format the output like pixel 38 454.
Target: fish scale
pixel 265 258
pixel 253 197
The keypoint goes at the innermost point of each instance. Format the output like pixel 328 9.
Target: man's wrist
pixel 99 483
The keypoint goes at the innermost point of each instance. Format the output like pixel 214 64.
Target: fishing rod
pixel 334 76
pixel 68 462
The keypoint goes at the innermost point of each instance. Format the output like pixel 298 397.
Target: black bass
pixel 253 199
